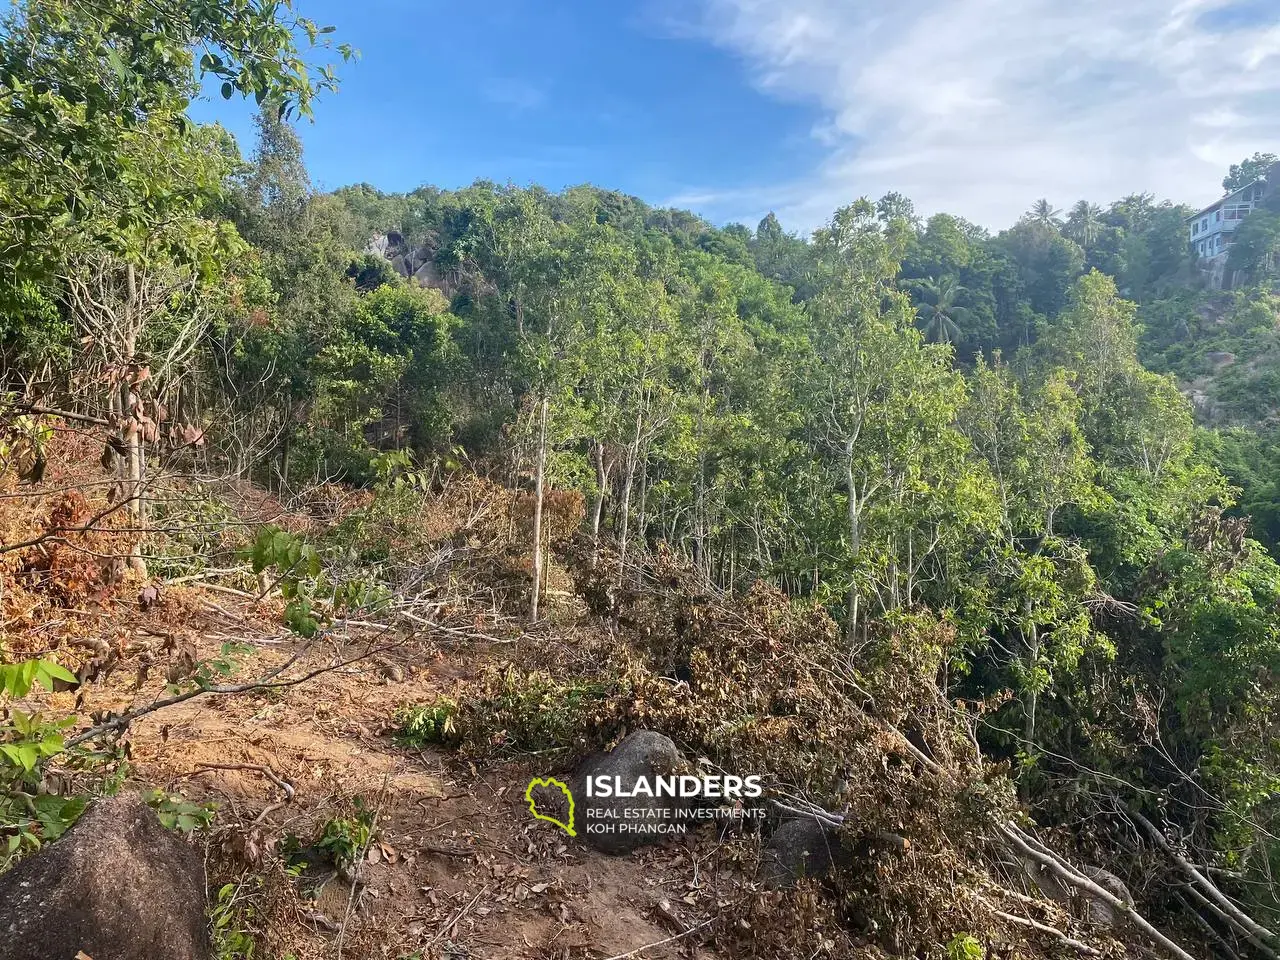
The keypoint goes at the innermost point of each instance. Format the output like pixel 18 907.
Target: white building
pixel 1212 230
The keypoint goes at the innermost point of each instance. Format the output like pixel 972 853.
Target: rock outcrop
pixel 799 848
pixel 116 886
pixel 622 824
pixel 416 264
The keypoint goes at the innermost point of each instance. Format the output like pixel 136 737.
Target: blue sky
pixel 733 108
pixel 557 93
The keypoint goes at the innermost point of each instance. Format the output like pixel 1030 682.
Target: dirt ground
pixel 457 868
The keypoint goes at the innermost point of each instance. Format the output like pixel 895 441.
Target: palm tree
pixel 1084 225
pixel 1042 212
pixel 939 310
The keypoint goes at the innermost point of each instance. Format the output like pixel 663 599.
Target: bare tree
pixel 123 311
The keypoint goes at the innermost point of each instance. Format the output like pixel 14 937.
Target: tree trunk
pixel 633 454
pixel 285 445
pixel 855 542
pixel 539 480
pixel 1031 699
pixel 642 518
pixel 597 509
pixel 131 410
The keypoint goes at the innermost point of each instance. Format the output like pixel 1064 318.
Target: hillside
pixel 338 518
pixel 430 847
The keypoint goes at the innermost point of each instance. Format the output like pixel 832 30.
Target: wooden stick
pixel 657 943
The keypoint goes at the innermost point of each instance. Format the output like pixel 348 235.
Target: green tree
pixel 1084 224
pixel 1256 250
pixel 1247 171
pixel 939 310
pixel 1044 213
pixel 84 78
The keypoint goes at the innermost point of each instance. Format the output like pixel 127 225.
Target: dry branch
pixel 1063 871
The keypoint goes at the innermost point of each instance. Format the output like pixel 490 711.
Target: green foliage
pixel 177 813
pixel 530 711
pixel 310 598
pixel 421 725
pixel 1247 171
pixel 232 919
pixel 964 946
pixel 1256 250
pixel 87 79
pixel 29 816
pixel 344 839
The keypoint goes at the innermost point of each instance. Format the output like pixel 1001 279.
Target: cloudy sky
pixel 733 108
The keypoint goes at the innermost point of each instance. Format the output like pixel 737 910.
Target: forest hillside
pixel 329 519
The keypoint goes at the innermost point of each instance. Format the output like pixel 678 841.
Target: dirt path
pixel 457 866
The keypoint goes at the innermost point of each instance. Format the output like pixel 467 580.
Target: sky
pixel 734 108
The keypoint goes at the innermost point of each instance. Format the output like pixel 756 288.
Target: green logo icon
pixel 533 804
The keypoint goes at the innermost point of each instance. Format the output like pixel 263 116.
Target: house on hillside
pixel 1212 230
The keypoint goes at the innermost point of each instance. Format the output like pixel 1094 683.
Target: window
pixel 1218 217
pixel 1204 224
pixel 1195 229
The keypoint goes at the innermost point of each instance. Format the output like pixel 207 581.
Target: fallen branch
pixel 812 813
pixel 1233 914
pixel 1033 849
pixel 55 412
pixel 1218 912
pixel 270 774
pixel 1054 932
pixel 457 918
pixel 122 721
pixel 658 943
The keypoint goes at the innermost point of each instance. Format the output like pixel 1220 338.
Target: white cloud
pixel 979 107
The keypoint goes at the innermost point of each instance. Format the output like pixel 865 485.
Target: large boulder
pixel 1099 910
pixel 622 824
pixel 1096 910
pixel 803 847
pixel 116 886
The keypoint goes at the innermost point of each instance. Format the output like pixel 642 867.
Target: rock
pixel 426 276
pixel 401 266
pixel 116 886
pixel 799 848
pixel 642 754
pixel 1100 912
pixel 1096 910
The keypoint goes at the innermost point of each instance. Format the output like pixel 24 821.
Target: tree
pixel 1256 251
pixel 1044 213
pixel 881 406
pixel 894 206
pixel 1046 262
pixel 83 77
pixel 1247 171
pixel 1084 223
pixel 783 257
pixel 143 311
pixel 940 311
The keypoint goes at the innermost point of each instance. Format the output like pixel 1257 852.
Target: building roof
pixel 1219 202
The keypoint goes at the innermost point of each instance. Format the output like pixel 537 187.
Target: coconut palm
pixel 1042 211
pixel 1085 224
pixel 939 310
